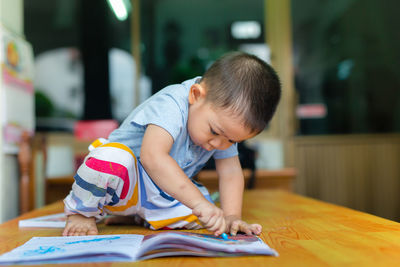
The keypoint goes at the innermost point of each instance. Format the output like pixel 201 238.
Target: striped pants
pixel 112 181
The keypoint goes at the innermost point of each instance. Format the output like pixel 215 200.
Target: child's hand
pixel 234 225
pixel 211 217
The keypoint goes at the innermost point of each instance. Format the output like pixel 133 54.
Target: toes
pixel 92 232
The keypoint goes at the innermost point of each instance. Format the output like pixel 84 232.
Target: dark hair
pixel 246 85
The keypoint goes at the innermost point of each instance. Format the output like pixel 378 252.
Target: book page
pixel 51 221
pixel 75 249
pixel 130 247
pixel 168 243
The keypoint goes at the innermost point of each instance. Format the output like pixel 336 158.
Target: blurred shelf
pixel 264 179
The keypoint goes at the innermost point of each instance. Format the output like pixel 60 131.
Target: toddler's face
pixel 214 128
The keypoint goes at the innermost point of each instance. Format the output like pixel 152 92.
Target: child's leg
pixel 106 181
pixel 124 220
pixel 161 211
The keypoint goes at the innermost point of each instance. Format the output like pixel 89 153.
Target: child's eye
pixel 213 132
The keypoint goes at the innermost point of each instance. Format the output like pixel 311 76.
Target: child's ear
pixel 197 92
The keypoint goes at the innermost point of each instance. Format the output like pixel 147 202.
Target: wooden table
pixel 304 231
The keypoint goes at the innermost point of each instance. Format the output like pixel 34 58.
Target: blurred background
pixel 335 136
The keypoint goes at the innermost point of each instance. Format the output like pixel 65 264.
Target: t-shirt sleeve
pixel 227 153
pixel 163 111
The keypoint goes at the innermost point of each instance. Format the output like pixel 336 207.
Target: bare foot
pixel 124 220
pixel 80 225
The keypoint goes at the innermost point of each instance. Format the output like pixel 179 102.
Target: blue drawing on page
pixel 93 240
pixel 42 250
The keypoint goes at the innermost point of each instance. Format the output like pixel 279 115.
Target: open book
pixel 52 221
pixel 130 247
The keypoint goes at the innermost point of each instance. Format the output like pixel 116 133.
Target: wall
pixel 357 171
pixel 11 16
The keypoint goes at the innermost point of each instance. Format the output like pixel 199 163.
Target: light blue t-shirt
pixel 169 109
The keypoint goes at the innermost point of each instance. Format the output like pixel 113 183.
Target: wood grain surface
pixel 304 231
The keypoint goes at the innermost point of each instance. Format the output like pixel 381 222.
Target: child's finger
pixel 234 228
pixel 218 225
pixel 246 229
pixel 240 226
pixel 222 227
pixel 211 222
pixel 214 226
pixel 256 229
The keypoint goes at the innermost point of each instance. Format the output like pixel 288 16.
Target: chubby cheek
pixel 194 134
pixel 200 138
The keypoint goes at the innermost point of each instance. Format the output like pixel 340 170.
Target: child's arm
pixel 167 174
pixel 231 186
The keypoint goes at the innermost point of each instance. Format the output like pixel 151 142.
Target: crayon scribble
pixel 42 250
pixel 93 240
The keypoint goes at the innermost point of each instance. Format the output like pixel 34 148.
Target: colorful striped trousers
pixel 112 181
